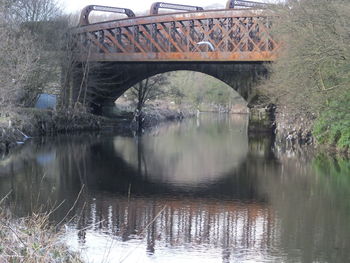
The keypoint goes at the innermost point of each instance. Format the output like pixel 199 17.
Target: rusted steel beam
pixel 84 16
pixel 186 57
pixel 161 5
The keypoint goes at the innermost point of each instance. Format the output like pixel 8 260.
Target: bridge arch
pixel 107 81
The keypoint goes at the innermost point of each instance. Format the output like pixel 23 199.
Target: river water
pixel 200 190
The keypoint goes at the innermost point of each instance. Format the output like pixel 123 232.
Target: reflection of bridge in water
pixel 188 154
pixel 229 44
pixel 220 224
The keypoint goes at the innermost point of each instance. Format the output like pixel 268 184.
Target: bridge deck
pixel 218 35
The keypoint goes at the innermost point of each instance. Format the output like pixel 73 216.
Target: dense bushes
pixel 333 125
pixel 312 74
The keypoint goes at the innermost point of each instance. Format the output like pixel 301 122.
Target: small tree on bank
pixel 148 89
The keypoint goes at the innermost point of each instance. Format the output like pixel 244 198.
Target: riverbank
pixel 152 116
pixel 32 240
pixel 297 129
pixel 311 87
pixel 18 125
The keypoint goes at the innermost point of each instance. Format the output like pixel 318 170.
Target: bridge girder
pixel 235 35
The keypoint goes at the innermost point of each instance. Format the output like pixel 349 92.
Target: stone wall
pixel 293 128
pixel 261 118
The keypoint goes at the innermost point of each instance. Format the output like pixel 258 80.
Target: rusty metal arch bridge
pixel 201 35
pixel 229 44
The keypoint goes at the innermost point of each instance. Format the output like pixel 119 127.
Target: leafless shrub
pixel 32 40
pixel 20 70
pixel 32 239
pixel 314 64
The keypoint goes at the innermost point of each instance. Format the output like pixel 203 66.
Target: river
pixel 200 190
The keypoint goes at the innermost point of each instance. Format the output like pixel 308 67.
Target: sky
pixel 72 6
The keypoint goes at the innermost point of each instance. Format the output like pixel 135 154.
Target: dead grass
pixel 32 240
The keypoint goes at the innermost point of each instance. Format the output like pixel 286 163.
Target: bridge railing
pixel 220 35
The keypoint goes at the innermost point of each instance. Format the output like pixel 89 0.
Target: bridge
pixel 230 44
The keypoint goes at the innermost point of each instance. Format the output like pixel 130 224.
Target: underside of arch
pixel 107 81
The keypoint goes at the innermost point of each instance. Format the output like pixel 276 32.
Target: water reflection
pixel 189 154
pixel 177 224
pixel 186 192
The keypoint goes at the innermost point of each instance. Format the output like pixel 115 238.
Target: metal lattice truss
pixel 220 35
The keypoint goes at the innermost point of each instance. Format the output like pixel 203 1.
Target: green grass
pixel 333 126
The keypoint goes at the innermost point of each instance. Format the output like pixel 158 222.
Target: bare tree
pixel 34 10
pixel 149 89
pixel 19 68
pixel 25 66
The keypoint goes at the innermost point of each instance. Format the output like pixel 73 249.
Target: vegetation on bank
pixel 333 125
pixel 31 40
pixel 312 74
pixel 18 124
pixel 32 239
